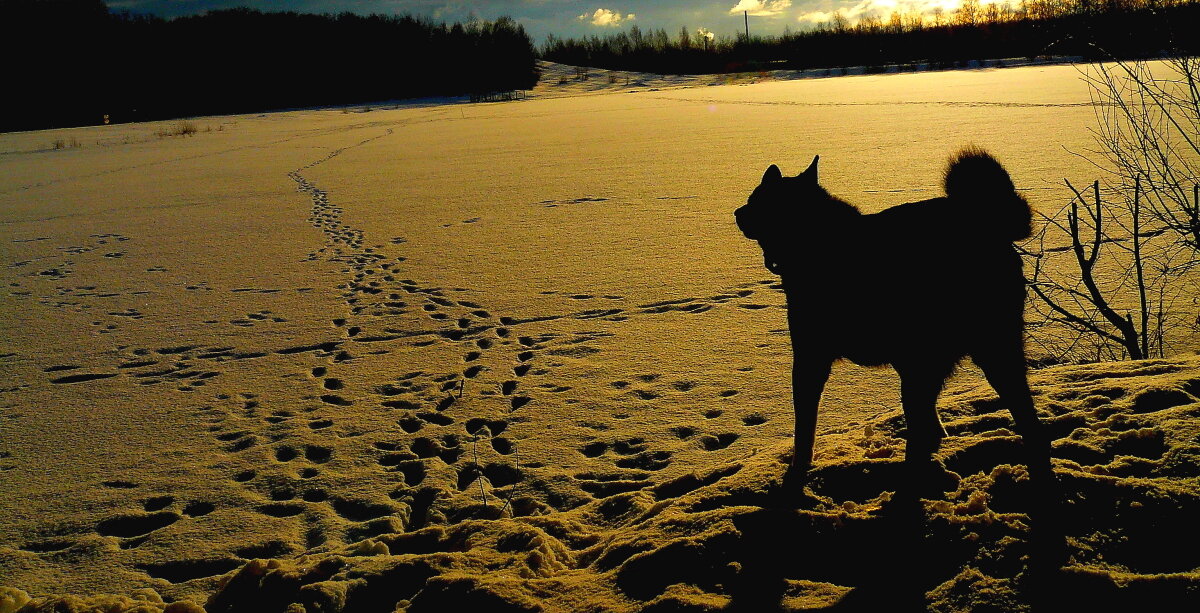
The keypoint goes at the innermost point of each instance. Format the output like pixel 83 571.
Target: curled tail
pixel 976 179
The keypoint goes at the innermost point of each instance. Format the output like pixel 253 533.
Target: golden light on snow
pixel 519 354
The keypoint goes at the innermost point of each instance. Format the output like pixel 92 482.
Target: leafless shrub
pixel 182 128
pixel 1148 131
pixel 62 143
pixel 1117 280
pixel 1109 280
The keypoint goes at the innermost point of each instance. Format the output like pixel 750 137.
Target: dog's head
pixel 776 199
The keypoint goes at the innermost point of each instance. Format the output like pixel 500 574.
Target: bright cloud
pixel 605 17
pixel 761 8
pixel 883 9
pixel 816 17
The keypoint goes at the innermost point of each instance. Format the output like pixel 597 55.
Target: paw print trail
pixel 432 443
pixel 422 446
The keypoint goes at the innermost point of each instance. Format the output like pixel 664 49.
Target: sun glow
pixel 926 11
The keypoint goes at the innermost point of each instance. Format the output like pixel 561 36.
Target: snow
pixel 326 338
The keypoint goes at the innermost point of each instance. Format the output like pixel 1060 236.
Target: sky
pixel 574 18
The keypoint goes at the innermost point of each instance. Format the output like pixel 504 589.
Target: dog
pixel 919 286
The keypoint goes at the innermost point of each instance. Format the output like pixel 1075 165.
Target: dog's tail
pixel 976 179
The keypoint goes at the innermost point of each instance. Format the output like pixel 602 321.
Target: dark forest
pixel 74 62
pixel 1093 30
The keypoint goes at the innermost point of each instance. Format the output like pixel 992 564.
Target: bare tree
pixel 1119 279
pixel 967 13
pixel 1148 132
pixel 1105 284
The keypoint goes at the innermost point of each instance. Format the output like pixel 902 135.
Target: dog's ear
pixel 811 172
pixel 772 174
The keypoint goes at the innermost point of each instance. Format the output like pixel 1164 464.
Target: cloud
pixel 816 17
pixel 605 17
pixel 761 8
pixel 882 9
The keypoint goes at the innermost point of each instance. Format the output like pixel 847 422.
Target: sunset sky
pixel 575 17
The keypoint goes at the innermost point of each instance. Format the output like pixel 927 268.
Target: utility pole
pixel 746 16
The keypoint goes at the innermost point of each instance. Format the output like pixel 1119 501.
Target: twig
pixel 1086 265
pixel 513 492
pixel 1143 309
pixel 479 469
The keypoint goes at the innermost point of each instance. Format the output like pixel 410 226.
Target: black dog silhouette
pixel 918 286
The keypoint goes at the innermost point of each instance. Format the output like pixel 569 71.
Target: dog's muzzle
pixel 746 223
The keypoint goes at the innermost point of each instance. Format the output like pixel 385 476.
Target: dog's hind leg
pixel 1003 364
pixel 1004 367
pixel 809 374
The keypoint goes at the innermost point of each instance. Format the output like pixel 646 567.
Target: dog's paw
pixel 797 475
pixel 788 491
pixel 929 480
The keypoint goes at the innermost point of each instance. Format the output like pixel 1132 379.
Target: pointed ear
pixel 772 174
pixel 811 172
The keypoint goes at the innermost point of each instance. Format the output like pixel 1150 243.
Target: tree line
pixel 1093 29
pixel 75 62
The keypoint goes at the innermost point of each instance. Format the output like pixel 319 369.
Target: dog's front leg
pixel 809 375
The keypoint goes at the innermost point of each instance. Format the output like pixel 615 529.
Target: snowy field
pixel 291 332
